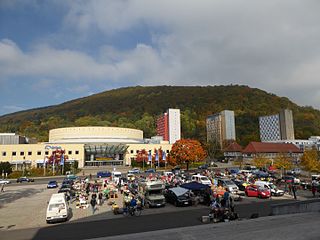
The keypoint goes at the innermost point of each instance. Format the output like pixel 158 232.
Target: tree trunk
pixel 187 166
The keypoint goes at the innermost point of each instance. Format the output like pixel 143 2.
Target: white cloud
pixel 271 45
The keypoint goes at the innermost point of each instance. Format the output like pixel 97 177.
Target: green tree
pixel 5 167
pixel 147 125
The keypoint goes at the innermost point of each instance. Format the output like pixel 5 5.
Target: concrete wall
pixel 296 207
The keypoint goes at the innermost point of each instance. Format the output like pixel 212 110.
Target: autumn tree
pixel 186 151
pixel 260 161
pixel 283 161
pixel 310 160
pixel 142 157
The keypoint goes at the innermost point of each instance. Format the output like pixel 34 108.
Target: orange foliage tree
pixel 186 151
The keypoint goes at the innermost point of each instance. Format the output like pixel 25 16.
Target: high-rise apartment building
pixel 221 127
pixel 169 126
pixel 277 127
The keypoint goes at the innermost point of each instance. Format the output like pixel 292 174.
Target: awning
pixel 179 190
pixel 21 162
pixel 195 186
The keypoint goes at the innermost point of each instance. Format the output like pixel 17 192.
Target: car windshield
pixel 272 186
pixel 204 178
pixel 228 182
pixel 57 207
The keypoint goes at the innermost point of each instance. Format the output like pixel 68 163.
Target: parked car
pixel 203 166
pixel 4 181
pixel 52 184
pixel 227 183
pixel 134 171
pixel 256 191
pixel 275 191
pixel 241 184
pixel 176 170
pixel 72 177
pixel 150 170
pixel 103 174
pixel 178 196
pixel 201 179
pixel 24 179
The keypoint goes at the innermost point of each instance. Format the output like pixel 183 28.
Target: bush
pixel 15 174
pixel 35 172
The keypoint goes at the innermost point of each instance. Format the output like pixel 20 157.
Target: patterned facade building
pixel 169 126
pixel 221 127
pixel 277 127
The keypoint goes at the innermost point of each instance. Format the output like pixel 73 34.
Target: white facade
pixel 221 127
pixel 174 125
pixel 229 124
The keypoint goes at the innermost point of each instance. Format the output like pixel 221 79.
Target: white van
pixel 201 179
pixel 275 191
pixel 116 176
pixel 58 208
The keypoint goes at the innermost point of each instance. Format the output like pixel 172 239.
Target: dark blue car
pixel 52 184
pixel 151 170
pixel 103 174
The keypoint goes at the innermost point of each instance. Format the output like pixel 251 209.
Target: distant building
pixel 221 127
pixel 271 150
pixel 277 127
pixel 302 144
pixel 12 138
pixel 233 151
pixel 169 126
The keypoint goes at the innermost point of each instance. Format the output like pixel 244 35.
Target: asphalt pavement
pixel 90 228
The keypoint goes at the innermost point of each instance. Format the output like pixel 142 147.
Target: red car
pixel 256 191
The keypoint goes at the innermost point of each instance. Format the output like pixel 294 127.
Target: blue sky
pixel 55 51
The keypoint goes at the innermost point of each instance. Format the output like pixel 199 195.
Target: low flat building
pixel 271 150
pixel 89 146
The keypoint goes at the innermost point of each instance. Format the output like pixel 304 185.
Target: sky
pixel 55 51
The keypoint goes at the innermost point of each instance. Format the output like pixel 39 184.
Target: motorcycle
pixel 219 214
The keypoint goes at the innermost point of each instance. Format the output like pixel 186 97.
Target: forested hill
pixel 138 107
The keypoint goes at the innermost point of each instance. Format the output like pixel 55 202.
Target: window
pixel 167 151
pixel 69 152
pixel 77 152
pixel 46 152
pixel 131 151
pixel 137 151
pixel 39 153
pixel 4 154
pixel 29 153
pixel 21 153
pixel 14 153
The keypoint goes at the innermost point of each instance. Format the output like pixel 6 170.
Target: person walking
pixel 100 198
pixel 93 203
pixel 294 189
pixel 2 187
pixel 313 189
pixel 226 200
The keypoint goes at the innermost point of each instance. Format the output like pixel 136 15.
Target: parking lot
pixel 24 206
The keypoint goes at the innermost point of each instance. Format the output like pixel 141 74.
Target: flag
pixel 45 160
pixel 62 160
pixel 149 156
pixel 157 156
pixel 164 157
